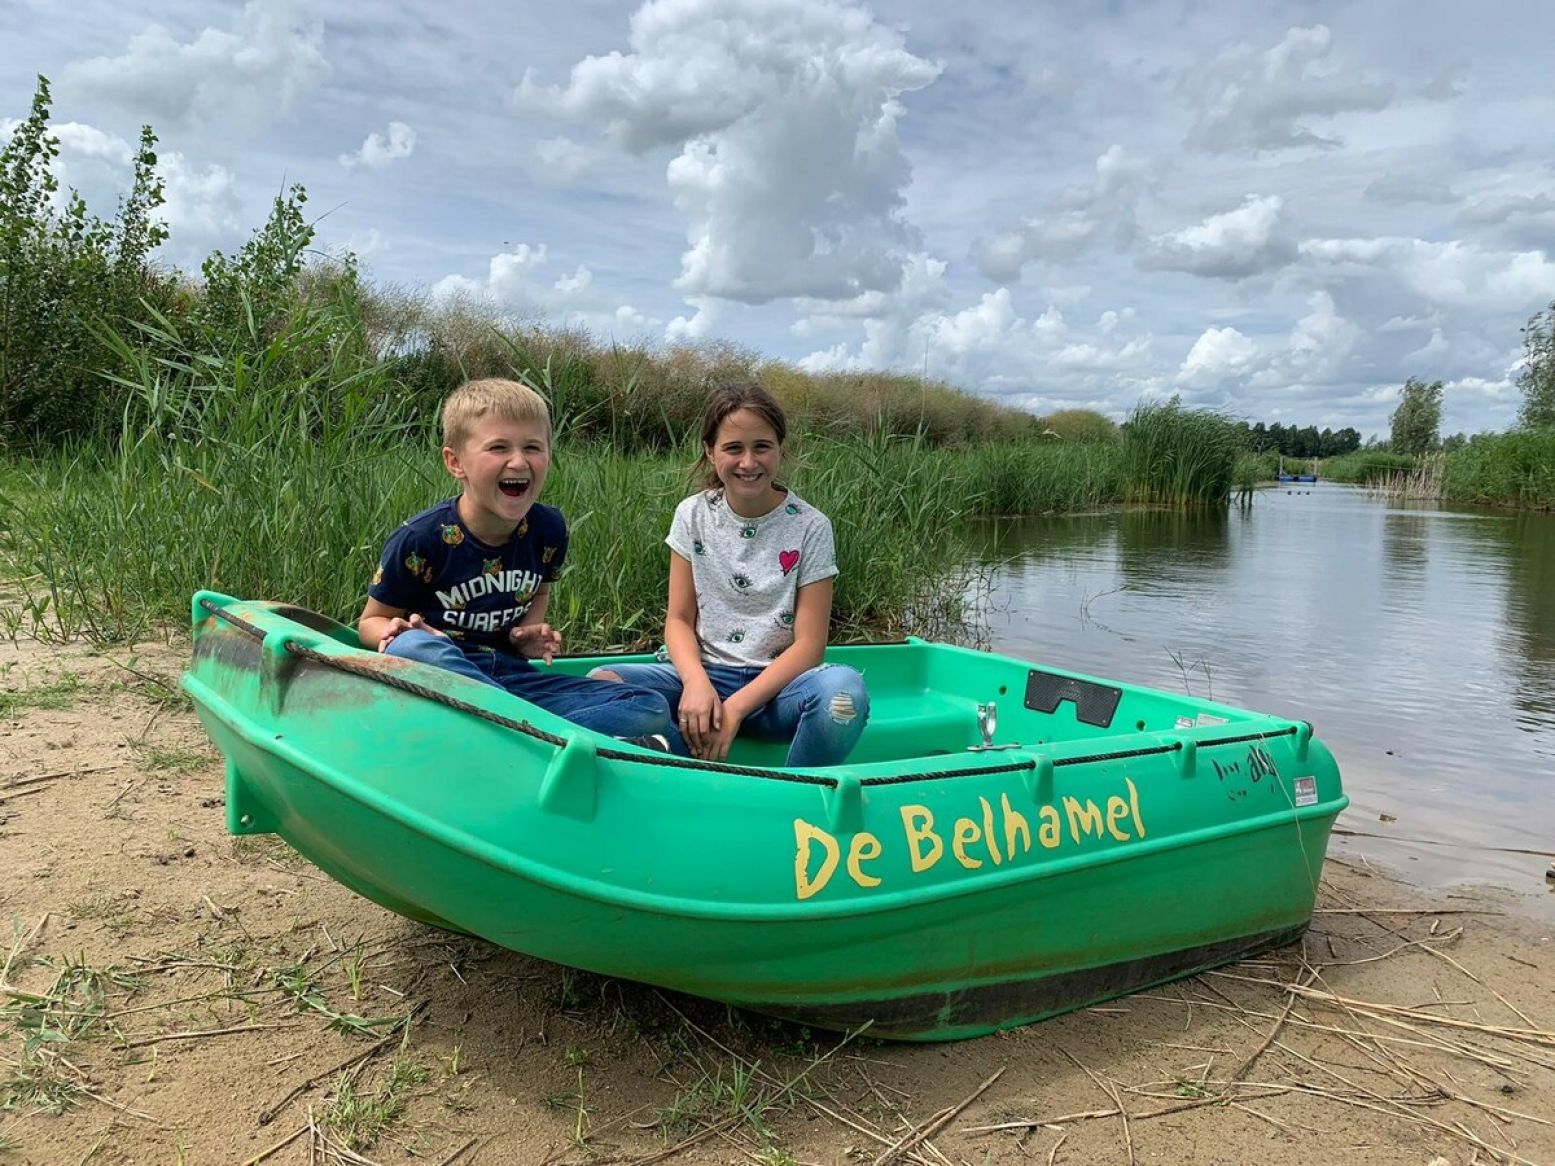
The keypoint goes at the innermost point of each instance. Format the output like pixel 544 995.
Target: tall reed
pixel 1178 457
pixel 1426 482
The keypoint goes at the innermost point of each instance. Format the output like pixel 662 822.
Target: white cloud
pixel 1453 273
pixel 201 206
pixel 254 74
pixel 576 283
pixel 1264 101
pixel 988 346
pixel 1432 351
pixel 200 201
pixel 86 141
pixel 563 161
pixel 1104 210
pixel 513 281
pixel 1217 354
pixel 784 113
pixel 378 150
pixel 700 325
pixel 1230 245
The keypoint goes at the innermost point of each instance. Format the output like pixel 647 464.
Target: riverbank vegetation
pixel 261 428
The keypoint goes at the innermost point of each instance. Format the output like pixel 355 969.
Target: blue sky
pixel 1277 210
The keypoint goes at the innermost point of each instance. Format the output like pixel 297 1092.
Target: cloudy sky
pixel 1280 210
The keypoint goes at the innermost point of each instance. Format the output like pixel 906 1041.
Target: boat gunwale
pixel 541 725
pixel 508 861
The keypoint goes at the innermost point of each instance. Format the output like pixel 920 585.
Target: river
pixel 1420 643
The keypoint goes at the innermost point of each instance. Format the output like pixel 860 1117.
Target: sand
pixel 174 995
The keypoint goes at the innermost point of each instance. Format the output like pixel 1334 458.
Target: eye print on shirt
pixel 737 636
pixel 696 545
pixel 785 619
pixel 790 509
pixel 741 582
pixel 747 532
pixel 452 535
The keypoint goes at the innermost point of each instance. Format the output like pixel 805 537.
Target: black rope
pixel 432 694
pixel 904 778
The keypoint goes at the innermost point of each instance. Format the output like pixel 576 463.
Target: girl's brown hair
pixel 731 398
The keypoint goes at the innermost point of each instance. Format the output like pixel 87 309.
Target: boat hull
pixel 928 898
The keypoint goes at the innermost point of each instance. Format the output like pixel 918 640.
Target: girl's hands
pixel 702 715
pixel 536 641
pixel 716 745
pixel 414 624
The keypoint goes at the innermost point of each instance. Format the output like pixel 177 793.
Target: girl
pixel 750 600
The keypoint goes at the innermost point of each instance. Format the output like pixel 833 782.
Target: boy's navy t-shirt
pixel 435 567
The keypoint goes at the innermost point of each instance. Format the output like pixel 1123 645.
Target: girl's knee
pixel 605 674
pixel 845 697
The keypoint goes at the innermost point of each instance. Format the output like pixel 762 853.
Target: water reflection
pixel 1420 642
pixel 1526 552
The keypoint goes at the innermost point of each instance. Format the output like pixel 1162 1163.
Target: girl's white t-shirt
pixel 748 572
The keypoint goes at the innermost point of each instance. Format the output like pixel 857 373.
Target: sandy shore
pixel 174 995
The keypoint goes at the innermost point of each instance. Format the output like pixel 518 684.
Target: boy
pixel 465 584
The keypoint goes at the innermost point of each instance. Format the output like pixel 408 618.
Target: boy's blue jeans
pixel 823 711
pixel 616 710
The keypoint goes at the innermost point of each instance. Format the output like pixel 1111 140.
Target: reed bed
pixel 1508 469
pixel 1178 457
pixel 1365 467
pixel 261 490
pixel 1425 482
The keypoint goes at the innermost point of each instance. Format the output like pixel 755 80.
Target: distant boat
pixel 1282 476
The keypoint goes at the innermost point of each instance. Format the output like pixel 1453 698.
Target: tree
pixel 1413 426
pixel 63 272
pixel 1537 380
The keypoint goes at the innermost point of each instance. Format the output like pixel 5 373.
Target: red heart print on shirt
pixel 788 560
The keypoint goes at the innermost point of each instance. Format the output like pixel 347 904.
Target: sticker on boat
pixel 1306 791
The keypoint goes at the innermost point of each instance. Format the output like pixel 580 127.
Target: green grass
pixel 176 761
pixel 61 693
pixel 361 1116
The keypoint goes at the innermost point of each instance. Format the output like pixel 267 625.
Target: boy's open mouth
pixel 513 487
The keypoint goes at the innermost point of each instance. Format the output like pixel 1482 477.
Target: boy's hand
pixel 414 624
pixel 536 641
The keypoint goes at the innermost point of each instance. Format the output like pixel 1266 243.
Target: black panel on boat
pixel 1094 703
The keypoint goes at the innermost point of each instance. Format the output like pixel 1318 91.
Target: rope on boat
pixel 409 686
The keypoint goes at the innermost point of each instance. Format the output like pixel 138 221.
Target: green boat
pixel 1007 842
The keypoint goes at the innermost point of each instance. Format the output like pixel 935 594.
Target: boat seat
pixel 917 724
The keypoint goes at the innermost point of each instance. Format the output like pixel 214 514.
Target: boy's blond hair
pixel 473 400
